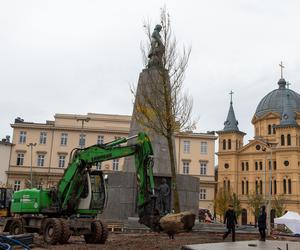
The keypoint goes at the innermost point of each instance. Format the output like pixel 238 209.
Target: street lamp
pixel 83 120
pixel 268 145
pixel 31 145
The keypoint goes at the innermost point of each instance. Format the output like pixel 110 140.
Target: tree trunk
pixel 175 198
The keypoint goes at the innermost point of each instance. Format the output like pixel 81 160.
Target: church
pixel 269 164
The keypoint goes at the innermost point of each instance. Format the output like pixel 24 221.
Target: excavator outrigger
pixel 72 207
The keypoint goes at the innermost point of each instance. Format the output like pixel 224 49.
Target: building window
pixel 98 165
pixel 282 140
pixel 275 187
pixel 274 165
pixel 17 185
pixel 228 185
pixel 82 140
pixel 243 187
pixel 247 166
pixel 43 137
pixel 203 147
pixel 274 129
pixel 100 139
pixel 202 194
pixel 290 186
pixel 256 186
pixel 260 187
pixel 41 160
pixel 288 140
pixel 284 186
pixel 20 159
pixel 64 139
pixel 61 161
pixel 186 167
pixel 243 166
pixel 269 129
pixel 260 166
pixel 229 144
pixel 224 144
pixel 203 168
pixel 115 164
pixel 22 138
pixel 256 165
pixel 247 187
pixel 186 146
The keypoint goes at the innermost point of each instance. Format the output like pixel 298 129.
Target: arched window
pixel 284 186
pixel 275 187
pixel 282 140
pixel 260 187
pixel 256 186
pixel 243 187
pixel 269 129
pixel 224 185
pixel 274 130
pixel 224 144
pixel 228 185
pixel 243 166
pixel 289 140
pixel 290 186
pixel 247 187
pixel 236 145
pixel 229 144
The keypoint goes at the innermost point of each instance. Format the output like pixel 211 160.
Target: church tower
pixel 230 142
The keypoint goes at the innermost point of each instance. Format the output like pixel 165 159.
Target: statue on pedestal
pixel 164 197
pixel 157 48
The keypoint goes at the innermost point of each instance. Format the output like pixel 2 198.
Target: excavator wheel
pixel 52 231
pixel 95 235
pixel 65 231
pixel 16 227
pixel 104 234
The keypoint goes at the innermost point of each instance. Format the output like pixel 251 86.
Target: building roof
pixel 276 100
pixel 231 123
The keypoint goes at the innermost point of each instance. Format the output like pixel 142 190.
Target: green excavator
pixel 72 207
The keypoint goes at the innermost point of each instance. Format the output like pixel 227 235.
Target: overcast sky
pixel 83 56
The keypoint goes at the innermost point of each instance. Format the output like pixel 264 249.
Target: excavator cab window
pixel 98 187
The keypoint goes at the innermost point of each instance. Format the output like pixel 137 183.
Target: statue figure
pixel 164 194
pixel 157 48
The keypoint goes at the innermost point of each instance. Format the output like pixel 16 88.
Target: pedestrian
pixel 262 224
pixel 231 222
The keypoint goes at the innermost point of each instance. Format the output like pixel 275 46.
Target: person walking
pixel 262 223
pixel 230 221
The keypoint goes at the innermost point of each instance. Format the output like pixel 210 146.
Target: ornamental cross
pixel 231 93
pixel 281 69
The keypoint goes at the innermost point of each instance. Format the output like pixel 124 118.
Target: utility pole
pixel 31 145
pixel 82 120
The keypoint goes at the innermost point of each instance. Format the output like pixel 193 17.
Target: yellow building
pixel 269 164
pixel 45 148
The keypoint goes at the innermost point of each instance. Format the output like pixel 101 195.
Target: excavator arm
pixel 71 185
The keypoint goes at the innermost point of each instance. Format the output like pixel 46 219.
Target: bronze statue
pixel 157 48
pixel 164 196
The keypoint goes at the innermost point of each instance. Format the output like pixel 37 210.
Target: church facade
pixel 269 164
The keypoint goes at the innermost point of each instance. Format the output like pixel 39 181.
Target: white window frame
pixel 20 158
pixel 98 165
pixel 202 194
pixel 185 167
pixel 41 160
pixel 82 140
pixel 61 161
pixel 204 147
pixel 64 139
pixel 186 146
pixel 115 164
pixel 100 139
pixel 22 137
pixel 17 185
pixel 203 167
pixel 43 137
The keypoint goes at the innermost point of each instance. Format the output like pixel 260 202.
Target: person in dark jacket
pixel 262 223
pixel 230 220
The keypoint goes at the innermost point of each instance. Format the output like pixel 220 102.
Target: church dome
pixel 276 100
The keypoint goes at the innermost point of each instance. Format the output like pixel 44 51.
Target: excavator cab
pixel 94 195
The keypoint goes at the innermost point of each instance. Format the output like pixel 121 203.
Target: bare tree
pixel 162 106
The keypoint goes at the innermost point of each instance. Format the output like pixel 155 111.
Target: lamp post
pixel 83 120
pixel 31 145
